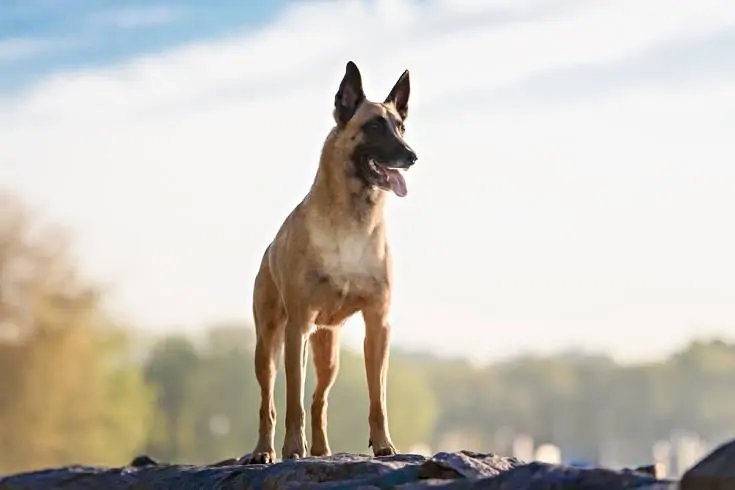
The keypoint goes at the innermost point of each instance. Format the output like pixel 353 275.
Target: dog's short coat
pixel 329 260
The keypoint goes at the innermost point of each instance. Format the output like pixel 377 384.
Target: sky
pixel 574 188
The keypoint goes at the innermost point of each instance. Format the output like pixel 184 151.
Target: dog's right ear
pixel 349 96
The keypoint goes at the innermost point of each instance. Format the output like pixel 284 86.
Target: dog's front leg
pixel 295 356
pixel 376 351
pixel 325 344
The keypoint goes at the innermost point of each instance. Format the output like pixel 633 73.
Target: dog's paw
pixel 294 446
pixel 387 449
pixel 258 457
pixel 320 451
pixel 289 453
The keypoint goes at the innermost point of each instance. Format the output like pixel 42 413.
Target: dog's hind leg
pixel 376 347
pixel 270 319
pixel 325 346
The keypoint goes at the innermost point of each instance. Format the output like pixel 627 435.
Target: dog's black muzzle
pixel 402 159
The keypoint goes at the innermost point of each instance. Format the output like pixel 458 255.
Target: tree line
pixel 75 389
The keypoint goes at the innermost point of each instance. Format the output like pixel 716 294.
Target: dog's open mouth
pixel 389 178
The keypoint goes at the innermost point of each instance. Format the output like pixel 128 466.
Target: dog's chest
pixel 348 256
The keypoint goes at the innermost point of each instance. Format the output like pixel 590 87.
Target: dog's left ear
pixel 399 95
pixel 349 96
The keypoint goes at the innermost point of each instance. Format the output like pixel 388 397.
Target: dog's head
pixel 373 132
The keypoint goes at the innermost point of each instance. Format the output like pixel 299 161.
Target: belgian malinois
pixel 329 260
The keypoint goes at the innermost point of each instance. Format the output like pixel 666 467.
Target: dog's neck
pixel 338 195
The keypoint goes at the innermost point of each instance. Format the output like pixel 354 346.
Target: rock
pixel 715 472
pixel 649 469
pixel 142 460
pixel 466 464
pixel 463 470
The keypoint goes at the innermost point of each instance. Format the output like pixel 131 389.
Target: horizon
pixel 568 195
pixel 146 339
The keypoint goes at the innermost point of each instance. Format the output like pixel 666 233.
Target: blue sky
pixel 53 35
pixel 574 185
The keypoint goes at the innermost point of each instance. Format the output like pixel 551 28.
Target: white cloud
pixel 590 222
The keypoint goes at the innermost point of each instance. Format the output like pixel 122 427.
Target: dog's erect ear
pixel 349 96
pixel 399 95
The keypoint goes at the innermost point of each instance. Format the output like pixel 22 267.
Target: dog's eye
pixel 401 128
pixel 376 125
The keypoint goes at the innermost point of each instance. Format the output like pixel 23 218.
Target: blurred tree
pixel 412 405
pixel 586 403
pixel 583 403
pixel 171 371
pixel 69 393
pixel 226 395
pixel 208 390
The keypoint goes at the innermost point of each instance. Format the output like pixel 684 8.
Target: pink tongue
pixel 397 182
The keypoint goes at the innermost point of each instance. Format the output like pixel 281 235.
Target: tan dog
pixel 329 260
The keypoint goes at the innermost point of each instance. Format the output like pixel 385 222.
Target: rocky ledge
pixel 462 470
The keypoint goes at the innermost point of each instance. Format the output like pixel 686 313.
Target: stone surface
pixel 715 472
pixel 462 470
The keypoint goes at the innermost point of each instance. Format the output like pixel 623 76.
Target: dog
pixel 329 260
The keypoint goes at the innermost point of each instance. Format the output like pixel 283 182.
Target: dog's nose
pixel 410 155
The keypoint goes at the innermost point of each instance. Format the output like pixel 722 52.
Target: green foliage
pixel 212 388
pixel 412 404
pixel 574 401
pixel 170 371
